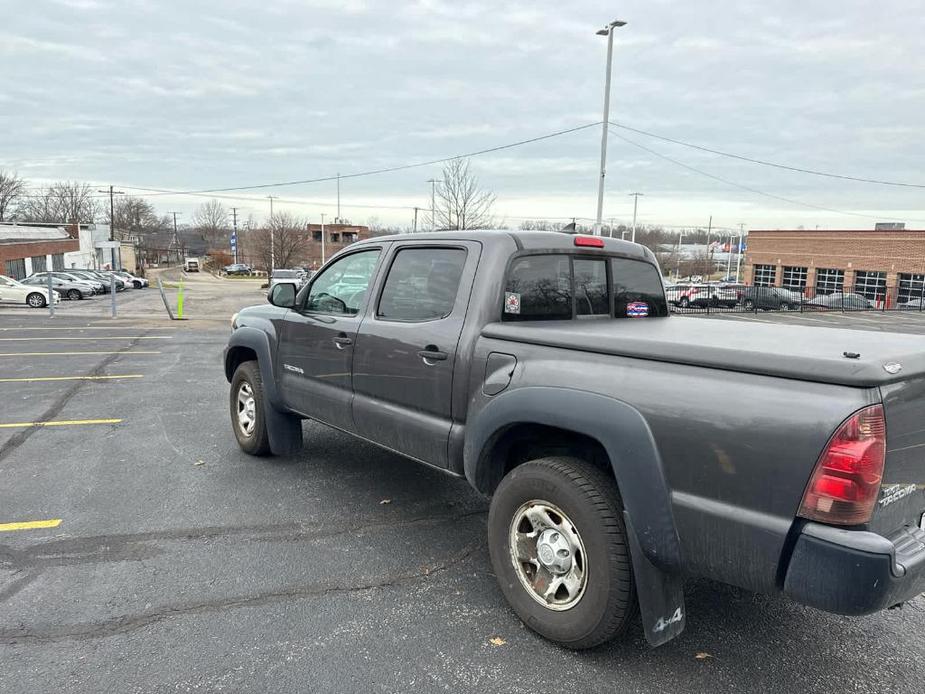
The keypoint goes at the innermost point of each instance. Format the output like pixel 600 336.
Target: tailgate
pixel 902 494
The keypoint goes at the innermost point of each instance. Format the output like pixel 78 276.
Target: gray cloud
pixel 222 93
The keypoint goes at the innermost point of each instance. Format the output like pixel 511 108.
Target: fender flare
pixel 259 342
pixel 283 428
pixel 621 430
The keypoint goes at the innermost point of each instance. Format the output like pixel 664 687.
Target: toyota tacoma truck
pixel 623 449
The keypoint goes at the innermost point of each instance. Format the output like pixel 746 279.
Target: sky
pixel 188 96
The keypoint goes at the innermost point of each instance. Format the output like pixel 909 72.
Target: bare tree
pixel 134 217
pixel 12 188
pixel 290 242
pixel 62 202
pixel 211 220
pixel 460 202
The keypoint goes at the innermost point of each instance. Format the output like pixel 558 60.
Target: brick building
pixel 336 237
pixel 886 264
pixel 27 249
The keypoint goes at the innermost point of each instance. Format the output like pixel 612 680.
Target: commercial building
pixel 336 237
pixel 28 249
pixel 35 247
pixel 885 264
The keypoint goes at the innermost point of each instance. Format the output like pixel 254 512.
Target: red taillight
pixel 845 484
pixel 592 241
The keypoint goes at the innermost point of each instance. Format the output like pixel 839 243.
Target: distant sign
pixel 889 226
pixel 108 244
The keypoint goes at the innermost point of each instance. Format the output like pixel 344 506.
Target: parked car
pixel 293 277
pixel 912 305
pixel 840 301
pixel 15 292
pixel 237 269
pixel 70 277
pixel 85 276
pixel 702 295
pixel 66 288
pixel 191 265
pixel 610 475
pixel 771 299
pixel 129 278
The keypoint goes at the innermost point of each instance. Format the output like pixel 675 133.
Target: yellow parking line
pixel 68 378
pixel 61 423
pixel 69 354
pixel 94 337
pixel 30 525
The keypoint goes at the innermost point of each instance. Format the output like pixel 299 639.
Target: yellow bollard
pixel 180 302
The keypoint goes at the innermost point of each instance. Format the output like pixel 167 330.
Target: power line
pixel 755 190
pixel 786 167
pixel 373 172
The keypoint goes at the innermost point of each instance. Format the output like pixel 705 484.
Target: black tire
pixel 684 302
pixel 256 442
pixel 36 300
pixel 749 305
pixel 590 500
pixel 74 294
pixel 137 285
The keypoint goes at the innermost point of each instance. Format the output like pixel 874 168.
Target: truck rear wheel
pixel 247 414
pixel 558 547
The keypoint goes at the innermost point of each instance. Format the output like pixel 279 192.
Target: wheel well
pixel 523 442
pixel 237 356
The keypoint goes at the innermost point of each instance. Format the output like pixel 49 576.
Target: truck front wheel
pixel 247 414
pixel 558 547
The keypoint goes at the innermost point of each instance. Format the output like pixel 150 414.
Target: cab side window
pixel 539 287
pixel 341 288
pixel 422 284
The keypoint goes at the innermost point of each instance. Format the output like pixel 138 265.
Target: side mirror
pixel 282 295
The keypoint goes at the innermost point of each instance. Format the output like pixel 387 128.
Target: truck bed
pixel 798 352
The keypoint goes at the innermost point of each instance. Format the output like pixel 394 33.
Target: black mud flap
pixel 284 431
pixel 661 594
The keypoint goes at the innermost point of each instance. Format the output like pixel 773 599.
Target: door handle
pixel 342 341
pixel 432 353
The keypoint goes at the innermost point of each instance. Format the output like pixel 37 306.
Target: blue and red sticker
pixel 637 309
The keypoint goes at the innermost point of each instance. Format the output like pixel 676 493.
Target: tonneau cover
pixel 788 351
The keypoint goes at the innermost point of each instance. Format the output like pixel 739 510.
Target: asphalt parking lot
pixel 161 558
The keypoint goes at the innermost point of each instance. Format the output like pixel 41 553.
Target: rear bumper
pixel 855 572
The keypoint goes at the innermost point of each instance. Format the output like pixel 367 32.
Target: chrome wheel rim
pixel 35 300
pixel 548 555
pixel 246 408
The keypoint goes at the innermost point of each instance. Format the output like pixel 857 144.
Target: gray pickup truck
pixel 623 450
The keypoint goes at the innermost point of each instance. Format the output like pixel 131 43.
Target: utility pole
pixel 608 32
pixel 337 218
pixel 234 234
pixel 176 238
pixel 677 271
pixel 739 250
pixel 112 222
pixel 272 241
pixel 635 197
pixel 414 229
pixel 709 250
pixel 322 238
pixel 433 203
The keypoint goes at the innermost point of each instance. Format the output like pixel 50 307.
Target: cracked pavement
pixel 182 565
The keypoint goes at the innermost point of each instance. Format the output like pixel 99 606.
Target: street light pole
pixel 635 197
pixel 608 32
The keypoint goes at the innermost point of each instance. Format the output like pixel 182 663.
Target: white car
pixel 13 292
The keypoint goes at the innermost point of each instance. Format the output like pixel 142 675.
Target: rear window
pixel 634 283
pixel 558 287
pixel 539 287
